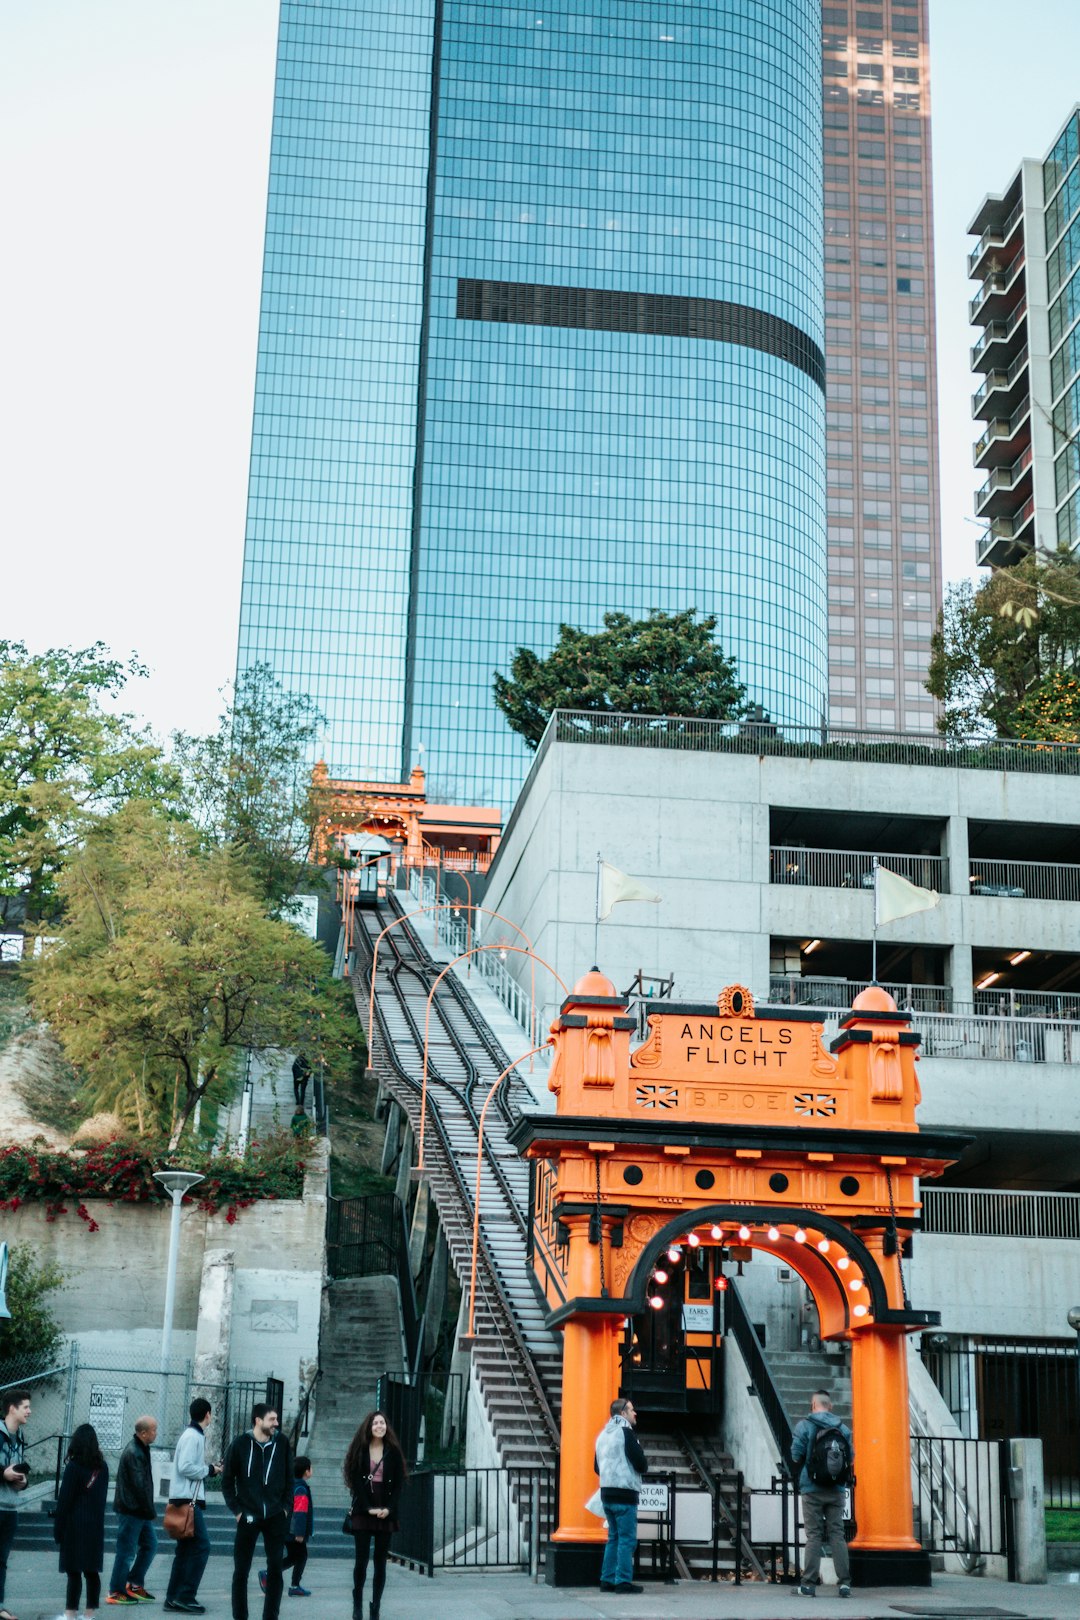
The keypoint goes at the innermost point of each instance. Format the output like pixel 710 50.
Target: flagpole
pixel 596 921
pixel 874 968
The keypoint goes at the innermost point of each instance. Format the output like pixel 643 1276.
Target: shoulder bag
pixel 178 1520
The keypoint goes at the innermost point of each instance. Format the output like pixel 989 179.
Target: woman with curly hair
pixel 79 1525
pixel 375 1473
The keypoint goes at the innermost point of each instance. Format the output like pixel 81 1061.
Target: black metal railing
pixel 301 1427
pixel 998 1388
pixel 739 1325
pixel 427 1413
pixel 477 1518
pixel 960 1497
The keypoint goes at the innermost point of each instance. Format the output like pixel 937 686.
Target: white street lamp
pixel 177 1183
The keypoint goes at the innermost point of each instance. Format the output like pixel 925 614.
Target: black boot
pixel 374 1612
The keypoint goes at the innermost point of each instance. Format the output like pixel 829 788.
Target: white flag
pixel 615 886
pixel 895 897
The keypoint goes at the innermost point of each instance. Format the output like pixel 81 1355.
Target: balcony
pixel 996 498
pixel 1004 439
pixel 998 294
pixel 999 341
pixel 852 868
pixel 993 239
pixel 998 389
pixel 1007 539
pixel 1025 880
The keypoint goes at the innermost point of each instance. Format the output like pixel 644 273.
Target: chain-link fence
pixel 112 1391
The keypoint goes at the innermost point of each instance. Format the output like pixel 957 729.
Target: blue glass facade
pixel 595 326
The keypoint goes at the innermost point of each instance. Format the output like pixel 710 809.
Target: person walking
pixel 822 1449
pixel 136 1535
pixel 301 1528
pixel 257 1484
pixel 621 1464
pixel 79 1522
pixel 375 1473
pixel 13 1476
pixel 189 1471
pixel 301 1074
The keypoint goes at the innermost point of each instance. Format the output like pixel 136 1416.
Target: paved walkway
pixel 35 1592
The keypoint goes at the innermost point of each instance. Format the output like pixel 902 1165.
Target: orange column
pixel 881 1421
pixel 590 1383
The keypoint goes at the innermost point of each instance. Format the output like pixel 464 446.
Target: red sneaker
pixel 140 1594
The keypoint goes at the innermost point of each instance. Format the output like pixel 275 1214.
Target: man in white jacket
pixel 190 1468
pixel 621 1464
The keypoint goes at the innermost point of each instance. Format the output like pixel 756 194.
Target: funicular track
pixel 517 1357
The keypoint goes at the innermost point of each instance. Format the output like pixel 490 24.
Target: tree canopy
pixel 999 647
pixel 169 970
pixel 665 664
pixel 66 760
pixel 250 787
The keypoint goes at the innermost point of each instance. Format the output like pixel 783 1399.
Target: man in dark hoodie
pixel 257 1482
pixel 822 1450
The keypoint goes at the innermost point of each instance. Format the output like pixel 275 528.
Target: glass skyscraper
pixel 541 336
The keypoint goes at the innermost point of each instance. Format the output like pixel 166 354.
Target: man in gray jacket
pixel 822 1450
pixel 621 1464
pixel 190 1468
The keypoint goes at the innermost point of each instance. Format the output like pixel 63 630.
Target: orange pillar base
pixel 884 1551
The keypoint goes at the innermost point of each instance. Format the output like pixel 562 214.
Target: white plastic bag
pixel 594 1505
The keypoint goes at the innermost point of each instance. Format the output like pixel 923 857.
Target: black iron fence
pixel 999 1388
pixel 427 1413
pixel 478 1518
pixel 960 1498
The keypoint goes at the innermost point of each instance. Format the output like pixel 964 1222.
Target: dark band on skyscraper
pixel 595 309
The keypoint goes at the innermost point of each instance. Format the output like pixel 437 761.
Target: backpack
pixel 828 1461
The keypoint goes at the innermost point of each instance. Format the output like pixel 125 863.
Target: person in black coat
pixel 136 1536
pixel 374 1473
pixel 79 1525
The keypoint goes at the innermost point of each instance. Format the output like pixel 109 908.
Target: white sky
pixel 136 134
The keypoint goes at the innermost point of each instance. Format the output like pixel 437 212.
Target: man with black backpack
pixel 822 1446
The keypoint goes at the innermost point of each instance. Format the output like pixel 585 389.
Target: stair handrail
pixel 762 1383
pixel 531 1377
pixel 740 1540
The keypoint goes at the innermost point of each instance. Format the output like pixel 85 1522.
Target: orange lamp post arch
pixel 733 1126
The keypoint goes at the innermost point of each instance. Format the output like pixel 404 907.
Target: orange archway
pixel 733 1126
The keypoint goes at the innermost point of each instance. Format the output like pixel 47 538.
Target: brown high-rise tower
pixel 884 525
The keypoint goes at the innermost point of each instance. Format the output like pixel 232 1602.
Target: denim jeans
pixel 618 1565
pixel 136 1546
pixel 9 1521
pixel 823 1518
pixel 189 1563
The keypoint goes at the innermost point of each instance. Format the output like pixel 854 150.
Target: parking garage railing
pixel 793 991
pixel 1025 880
pixel 852 868
pixel 993 1212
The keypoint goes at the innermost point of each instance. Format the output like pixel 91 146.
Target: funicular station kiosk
pixel 730 1129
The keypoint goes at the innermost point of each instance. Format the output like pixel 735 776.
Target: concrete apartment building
pixel 881 383
pixel 762 853
pixel 1027 356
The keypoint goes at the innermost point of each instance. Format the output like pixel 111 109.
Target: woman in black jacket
pixel 79 1525
pixel 375 1473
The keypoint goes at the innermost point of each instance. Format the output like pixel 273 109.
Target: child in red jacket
pixel 301 1525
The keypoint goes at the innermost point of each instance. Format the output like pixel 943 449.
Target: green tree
pixel 1051 709
pixel 170 970
pixel 33 1334
pixel 996 642
pixel 667 664
pixel 250 785
pixel 66 760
